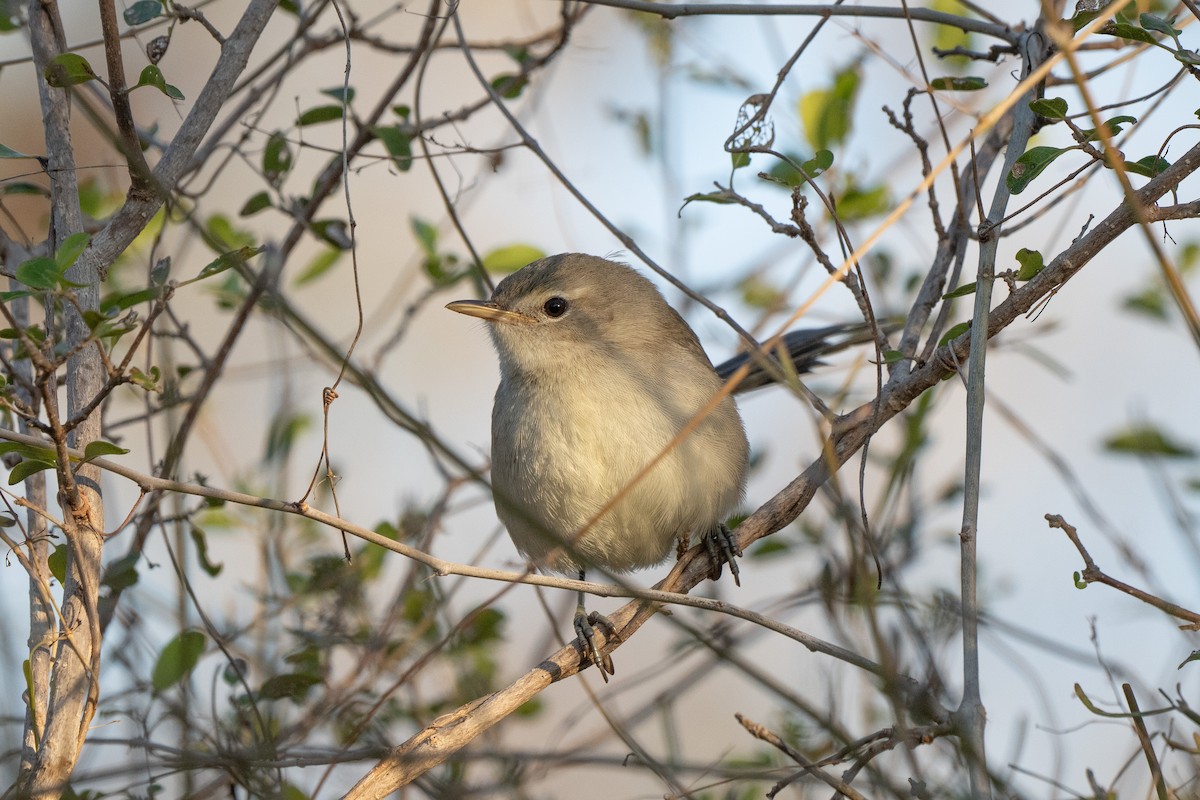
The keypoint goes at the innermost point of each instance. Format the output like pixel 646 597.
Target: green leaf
pixel 333 232
pixel 397 143
pixel 119 575
pixel 8 152
pixel 56 562
pixel 827 114
pixel 26 468
pixel 1194 656
pixel 509 86
pixel 255 204
pixel 38 273
pixel 1124 30
pixel 201 542
pixel 1151 301
pixel 101 448
pixel 858 203
pixel 23 187
pixel 277 158
pixel 142 11
pixel 223 236
pixel 177 659
pixel 294 685
pixel 1078 580
pixel 321 263
pixel 68 69
pixel 954 332
pixel 319 114
pixel 962 291
pixel 784 173
pixel 147 382
pixel 153 76
pixel 70 250
pixel 1148 167
pixel 721 197
pixel 1159 25
pixel 740 160
pixel 966 83
pixel 769 548
pixel 1031 263
pixel 1147 440
pixel 427 235
pixel 124 301
pixel 1049 107
pixel 1031 164
pixel 1114 126
pixel 342 94
pixel 511 258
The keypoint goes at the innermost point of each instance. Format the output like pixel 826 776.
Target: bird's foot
pixel 587 638
pixel 723 548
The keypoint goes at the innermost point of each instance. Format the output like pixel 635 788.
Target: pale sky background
pixel 1081 370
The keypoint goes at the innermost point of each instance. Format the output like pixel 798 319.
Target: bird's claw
pixel 587 637
pixel 723 548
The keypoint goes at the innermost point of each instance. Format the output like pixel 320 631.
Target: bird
pixel 611 438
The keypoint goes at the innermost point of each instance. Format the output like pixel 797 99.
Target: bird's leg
pixel 583 629
pixel 723 547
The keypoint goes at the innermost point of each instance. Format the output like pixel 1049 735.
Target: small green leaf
pixel 966 83
pixel 101 448
pixel 68 69
pixel 70 250
pixel 1159 25
pixel 255 204
pixel 142 11
pixel 26 468
pixel 1124 30
pixel 397 143
pixel 1114 126
pixel 56 562
pixel 201 542
pixel 1031 164
pixel 342 94
pixel 892 356
pixel 153 76
pixel 1148 167
pixel 319 114
pixel 1031 263
pixel 321 263
pixel 1194 656
pixel 227 260
pixel 1049 107
pixel 857 203
pixel 511 258
pixel 148 382
pixel 38 273
pixel 1147 440
pixel 23 187
pixel 828 113
pixel 740 160
pixel 294 685
pixel 177 659
pixel 1078 580
pixel 277 158
pixel 509 86
pixel 427 235
pixel 119 575
pixel 769 548
pixel 1150 301
pixel 721 197
pixel 962 291
pixel 8 152
pixel 954 332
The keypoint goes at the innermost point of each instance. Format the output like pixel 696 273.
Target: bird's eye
pixel 555 307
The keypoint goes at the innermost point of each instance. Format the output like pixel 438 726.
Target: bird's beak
pixel 486 309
